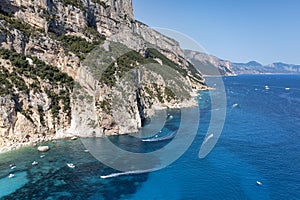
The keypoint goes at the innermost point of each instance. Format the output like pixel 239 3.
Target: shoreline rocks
pixel 43 148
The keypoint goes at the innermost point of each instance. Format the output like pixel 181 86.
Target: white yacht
pixel 71 165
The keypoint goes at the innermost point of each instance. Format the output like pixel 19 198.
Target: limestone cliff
pixel 84 67
pixel 208 64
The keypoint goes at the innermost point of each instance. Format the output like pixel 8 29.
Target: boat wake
pixel 125 173
pixel 210 136
pixel 156 138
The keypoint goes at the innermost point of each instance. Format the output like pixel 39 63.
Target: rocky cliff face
pixel 208 64
pixel 59 77
pixel 126 88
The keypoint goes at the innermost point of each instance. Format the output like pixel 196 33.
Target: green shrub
pixel 191 71
pixel 42 115
pixel 14 23
pixel 102 3
pixel 125 63
pixel 76 3
pixel 170 95
pixel 105 106
pixel 159 93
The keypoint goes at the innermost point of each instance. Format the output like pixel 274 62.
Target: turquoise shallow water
pixel 260 141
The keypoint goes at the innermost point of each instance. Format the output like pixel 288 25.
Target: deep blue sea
pixel 260 141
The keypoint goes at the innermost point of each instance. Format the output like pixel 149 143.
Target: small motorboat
pixel 74 138
pixel 12 166
pixel 42 156
pixel 11 175
pixel 287 88
pixel 267 87
pixel 259 183
pixel 34 163
pixel 170 117
pixel 235 105
pixel 71 165
pixel 86 151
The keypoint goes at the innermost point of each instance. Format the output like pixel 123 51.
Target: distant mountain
pixel 256 68
pixel 250 64
pixel 211 65
pixel 208 64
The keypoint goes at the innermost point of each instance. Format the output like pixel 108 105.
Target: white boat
pixel 42 156
pixel 287 88
pixel 34 163
pixel 235 105
pixel 170 117
pixel 74 138
pixel 71 165
pixel 12 166
pixel 259 183
pixel 267 87
pixel 11 175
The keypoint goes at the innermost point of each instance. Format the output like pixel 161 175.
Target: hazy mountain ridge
pixel 208 64
pixel 257 68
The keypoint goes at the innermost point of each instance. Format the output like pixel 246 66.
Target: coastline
pixel 220 75
pixel 272 74
pixel 66 134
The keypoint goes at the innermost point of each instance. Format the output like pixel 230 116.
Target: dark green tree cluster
pixel 14 23
pixel 101 2
pixel 78 45
pixel 6 87
pixel 154 53
pixel 170 95
pixel 158 93
pixel 42 114
pixel 75 3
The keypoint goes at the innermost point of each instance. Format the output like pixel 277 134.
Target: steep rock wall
pixel 54 31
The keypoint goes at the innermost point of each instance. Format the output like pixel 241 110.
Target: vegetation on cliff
pixel 190 71
pixel 124 64
pixel 45 43
pixel 37 77
pixel 79 46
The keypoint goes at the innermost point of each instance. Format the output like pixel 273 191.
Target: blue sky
pixel 238 30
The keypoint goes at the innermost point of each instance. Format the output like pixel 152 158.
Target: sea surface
pixel 260 141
